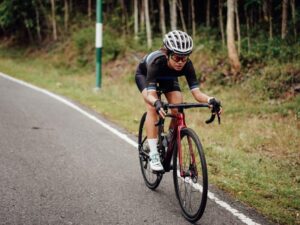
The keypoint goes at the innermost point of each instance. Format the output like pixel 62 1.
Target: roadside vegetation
pixel 253 155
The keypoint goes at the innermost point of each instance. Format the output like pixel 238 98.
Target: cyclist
pixel 161 69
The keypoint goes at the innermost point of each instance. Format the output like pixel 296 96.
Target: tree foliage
pixel 16 18
pixel 260 29
pixel 21 18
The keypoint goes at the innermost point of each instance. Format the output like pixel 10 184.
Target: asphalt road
pixel 57 166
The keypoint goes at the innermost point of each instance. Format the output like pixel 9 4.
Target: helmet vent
pixel 178 42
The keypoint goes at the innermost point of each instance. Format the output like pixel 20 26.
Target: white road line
pixel 123 136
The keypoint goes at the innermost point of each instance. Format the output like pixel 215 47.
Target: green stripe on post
pixel 99 44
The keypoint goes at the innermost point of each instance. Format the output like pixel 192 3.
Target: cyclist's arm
pixel 194 84
pixel 203 98
pixel 151 97
pixel 199 96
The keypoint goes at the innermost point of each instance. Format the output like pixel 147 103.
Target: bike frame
pixel 180 124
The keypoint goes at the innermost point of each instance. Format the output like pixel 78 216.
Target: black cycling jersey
pixel 154 71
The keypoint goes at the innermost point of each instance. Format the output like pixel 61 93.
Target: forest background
pixel 247 53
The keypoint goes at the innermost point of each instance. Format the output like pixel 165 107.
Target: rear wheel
pixel 151 180
pixel 190 178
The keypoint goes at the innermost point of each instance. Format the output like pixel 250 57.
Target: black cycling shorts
pixel 164 85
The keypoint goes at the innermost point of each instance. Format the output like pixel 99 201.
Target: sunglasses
pixel 178 58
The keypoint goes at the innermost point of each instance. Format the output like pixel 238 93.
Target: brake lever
pixel 211 119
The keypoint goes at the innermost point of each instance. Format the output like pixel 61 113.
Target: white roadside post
pixel 99 44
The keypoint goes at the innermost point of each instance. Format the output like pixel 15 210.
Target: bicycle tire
pixel 196 182
pixel 151 179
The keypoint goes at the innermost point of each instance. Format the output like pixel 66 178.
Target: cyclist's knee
pixel 174 97
pixel 151 109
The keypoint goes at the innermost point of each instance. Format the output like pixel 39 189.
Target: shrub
pixel 113 45
pixel 277 81
pixel 84 41
pixel 263 50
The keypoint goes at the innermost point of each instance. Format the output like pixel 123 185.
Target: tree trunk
pixel 248 29
pixel 38 27
pixel 136 20
pixel 193 19
pixel 148 25
pixel 208 13
pixel 221 21
pixel 27 26
pixel 71 6
pixel 189 15
pixel 294 17
pixel 54 30
pixel 237 26
pixel 173 14
pixel 90 9
pixel 270 21
pixel 232 53
pixel 162 17
pixel 251 18
pixel 142 16
pixel 45 14
pixel 181 15
pixel 284 19
pixel 260 14
pixel 152 13
pixel 66 16
pixel 124 17
pixel 265 10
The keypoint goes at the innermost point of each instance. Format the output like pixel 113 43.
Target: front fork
pixel 192 171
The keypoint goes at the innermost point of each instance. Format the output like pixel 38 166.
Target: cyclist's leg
pixel 151 117
pixel 151 132
pixel 152 180
pixel 173 95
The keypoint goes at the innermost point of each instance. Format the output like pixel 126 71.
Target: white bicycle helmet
pixel 178 42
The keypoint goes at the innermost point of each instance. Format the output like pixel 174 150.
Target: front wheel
pixel 151 180
pixel 190 175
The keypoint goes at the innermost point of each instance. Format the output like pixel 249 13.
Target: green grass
pixel 254 155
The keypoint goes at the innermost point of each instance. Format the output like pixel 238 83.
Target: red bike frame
pixel 180 124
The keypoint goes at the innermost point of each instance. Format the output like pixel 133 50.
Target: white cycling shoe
pixel 155 163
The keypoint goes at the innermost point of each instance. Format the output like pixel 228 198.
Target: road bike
pixel 181 152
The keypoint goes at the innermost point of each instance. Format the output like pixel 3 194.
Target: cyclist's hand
pixel 216 107
pixel 159 108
